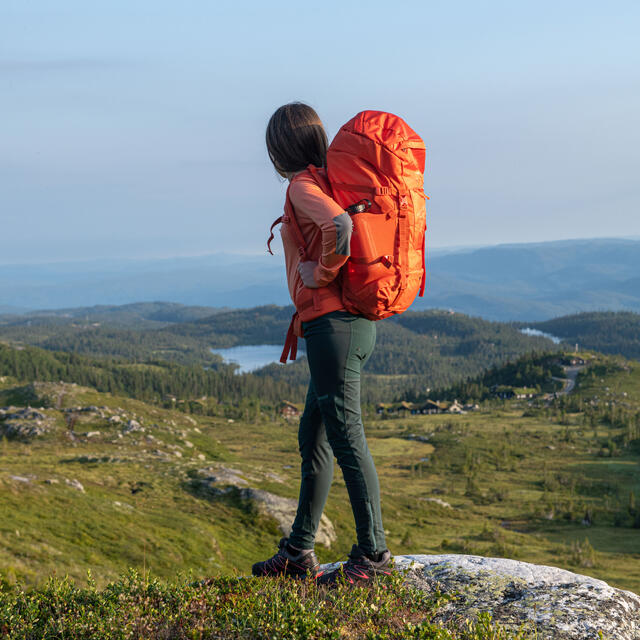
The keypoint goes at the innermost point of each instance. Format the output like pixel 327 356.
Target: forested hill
pixel 414 351
pixel 148 315
pixel 260 325
pixel 604 331
pixel 442 345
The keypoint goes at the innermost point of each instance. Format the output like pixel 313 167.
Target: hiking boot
pixel 359 568
pixel 289 562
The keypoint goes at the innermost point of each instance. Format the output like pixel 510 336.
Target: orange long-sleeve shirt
pixel 326 228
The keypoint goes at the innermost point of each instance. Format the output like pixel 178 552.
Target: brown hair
pixel 296 138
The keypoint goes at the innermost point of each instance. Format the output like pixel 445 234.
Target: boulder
pixel 219 480
pixel 23 430
pixel 132 425
pixel 26 413
pixel 76 484
pixel 438 501
pixel 557 604
pixel 283 511
pixel 23 422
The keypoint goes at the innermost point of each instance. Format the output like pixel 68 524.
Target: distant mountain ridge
pixel 527 282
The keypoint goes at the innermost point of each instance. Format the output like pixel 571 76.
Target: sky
pixel 135 129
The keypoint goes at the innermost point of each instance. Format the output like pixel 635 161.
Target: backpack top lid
pixel 383 139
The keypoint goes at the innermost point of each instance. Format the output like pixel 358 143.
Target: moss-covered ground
pixel 135 607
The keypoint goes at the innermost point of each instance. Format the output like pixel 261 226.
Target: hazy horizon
pixel 523 281
pixel 278 252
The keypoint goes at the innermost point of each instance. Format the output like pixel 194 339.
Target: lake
pixel 250 357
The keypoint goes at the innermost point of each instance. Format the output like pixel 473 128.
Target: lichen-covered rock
pixel 283 511
pixel 21 479
pixel 132 425
pixel 437 501
pixel 25 413
pixel 558 604
pixel 76 484
pixel 220 481
pixel 23 430
pixel 23 423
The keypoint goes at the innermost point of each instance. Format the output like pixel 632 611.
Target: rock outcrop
pixel 219 480
pixel 283 511
pixel 23 423
pixel 558 604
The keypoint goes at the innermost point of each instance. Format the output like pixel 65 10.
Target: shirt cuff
pixel 323 276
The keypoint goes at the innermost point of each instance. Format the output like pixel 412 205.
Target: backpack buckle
pixel 387 261
pixel 359 207
pixel 403 205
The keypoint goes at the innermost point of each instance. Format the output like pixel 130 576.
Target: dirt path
pixel 570 381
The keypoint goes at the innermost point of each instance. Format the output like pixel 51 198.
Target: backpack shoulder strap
pixel 321 178
pixel 289 217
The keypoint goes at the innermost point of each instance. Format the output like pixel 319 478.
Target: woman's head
pixel 296 138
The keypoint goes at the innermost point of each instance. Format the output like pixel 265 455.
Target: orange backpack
pixel 376 155
pixel 377 161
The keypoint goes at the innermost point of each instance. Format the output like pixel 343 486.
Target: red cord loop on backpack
pixel 275 222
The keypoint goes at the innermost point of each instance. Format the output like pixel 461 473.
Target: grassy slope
pixel 502 472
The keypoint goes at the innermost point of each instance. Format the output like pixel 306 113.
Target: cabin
pixel 502 391
pixel 405 406
pixel 427 407
pixel 401 408
pixel 430 407
pixel 524 392
pixel 455 407
pixel 288 410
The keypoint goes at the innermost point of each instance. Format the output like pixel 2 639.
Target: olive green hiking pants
pixel 338 345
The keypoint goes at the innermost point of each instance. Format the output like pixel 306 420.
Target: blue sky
pixel 136 129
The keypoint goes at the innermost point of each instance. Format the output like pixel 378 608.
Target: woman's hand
pixel 306 269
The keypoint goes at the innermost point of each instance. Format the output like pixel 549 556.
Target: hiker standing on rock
pixel 316 235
